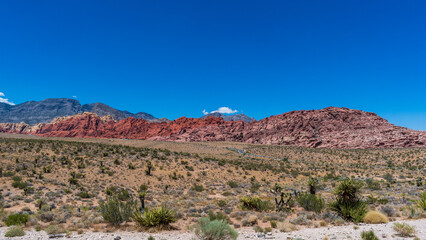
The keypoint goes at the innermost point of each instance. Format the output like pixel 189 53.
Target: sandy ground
pixel 383 231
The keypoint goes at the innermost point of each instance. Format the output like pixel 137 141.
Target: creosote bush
pixel 255 203
pixel 15 232
pixel 369 235
pixel 115 211
pixel 311 202
pixel 16 219
pixel 207 229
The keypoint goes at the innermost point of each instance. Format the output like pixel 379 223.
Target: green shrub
pixel 115 211
pixel 155 217
pixel 372 184
pixel 123 195
pixel 255 203
pixel 369 235
pixel 311 202
pixel 15 232
pixel 16 219
pixel 110 191
pixel 258 229
pixel 151 238
pixel 218 216
pixel 233 184
pixel 214 230
pixel 54 229
pixel 422 202
pixel 197 188
pixel 273 224
pixel 348 203
pixel 404 229
pixel 84 194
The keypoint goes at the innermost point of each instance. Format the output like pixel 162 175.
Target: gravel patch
pixel 383 231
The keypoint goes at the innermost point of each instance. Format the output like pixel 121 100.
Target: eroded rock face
pixel 16 128
pixel 326 128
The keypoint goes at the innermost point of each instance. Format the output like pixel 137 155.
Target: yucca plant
pixel 422 202
pixel 155 217
pixel 349 204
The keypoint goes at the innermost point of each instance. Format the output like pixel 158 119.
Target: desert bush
pixel 414 212
pixel 369 235
pixel 84 194
pixel 273 224
pixel 372 184
pixel 155 217
pixel 115 211
pixel 388 210
pixel 348 203
pixel 249 220
pixel 374 217
pixel 206 229
pixel 255 203
pixel 16 219
pixel 233 184
pixel 258 229
pixel 197 187
pixel 404 229
pixel 54 229
pixel 123 195
pixel 15 232
pixel 217 216
pixel 286 227
pixel 311 202
pixel 422 202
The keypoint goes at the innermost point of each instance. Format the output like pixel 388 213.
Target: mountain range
pixel 330 127
pixel 33 112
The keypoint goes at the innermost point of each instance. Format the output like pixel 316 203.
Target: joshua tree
pixel 141 195
pixel 149 168
pixel 313 185
pixel 284 198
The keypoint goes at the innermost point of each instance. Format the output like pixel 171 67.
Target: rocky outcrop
pixel 326 128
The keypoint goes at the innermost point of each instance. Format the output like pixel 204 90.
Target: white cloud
pixel 5 100
pixel 223 110
pixel 74 96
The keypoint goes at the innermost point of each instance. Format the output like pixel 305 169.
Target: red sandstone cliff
pixel 326 128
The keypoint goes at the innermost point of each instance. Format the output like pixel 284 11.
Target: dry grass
pixel 374 217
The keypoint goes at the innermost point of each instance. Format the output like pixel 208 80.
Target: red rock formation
pixel 326 128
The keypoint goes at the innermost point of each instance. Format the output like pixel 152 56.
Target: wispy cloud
pixel 74 96
pixel 5 100
pixel 223 110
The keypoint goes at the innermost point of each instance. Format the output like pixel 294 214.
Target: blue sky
pixel 177 58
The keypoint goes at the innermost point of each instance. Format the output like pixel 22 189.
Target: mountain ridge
pixel 44 111
pixel 330 127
